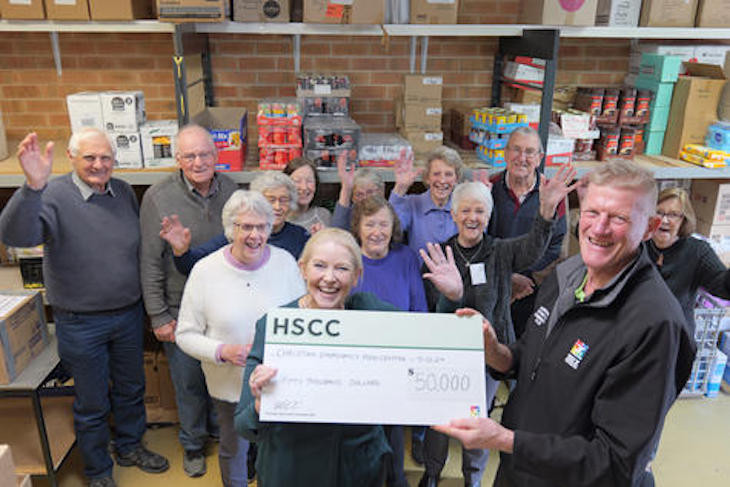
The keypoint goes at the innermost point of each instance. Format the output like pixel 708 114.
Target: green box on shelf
pixel 664 69
pixel 658 117
pixel 662 91
pixel 654 142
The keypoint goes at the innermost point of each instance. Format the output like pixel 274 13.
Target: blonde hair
pixel 689 220
pixel 338 236
pixel 624 174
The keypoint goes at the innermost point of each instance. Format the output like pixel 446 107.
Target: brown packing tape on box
pixel 67 9
pixel 33 10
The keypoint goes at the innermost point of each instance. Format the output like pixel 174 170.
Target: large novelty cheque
pixel 373 367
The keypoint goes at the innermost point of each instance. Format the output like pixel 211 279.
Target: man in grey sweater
pixel 88 223
pixel 196 194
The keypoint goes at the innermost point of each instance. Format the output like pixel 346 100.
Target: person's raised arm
pixel 36 164
pixel 405 173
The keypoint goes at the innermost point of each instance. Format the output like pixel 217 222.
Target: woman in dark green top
pixel 321 455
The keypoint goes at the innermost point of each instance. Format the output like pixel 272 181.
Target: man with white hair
pixel 88 223
pixel 602 359
pixel 196 195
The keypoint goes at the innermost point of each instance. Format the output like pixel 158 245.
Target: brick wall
pixel 247 68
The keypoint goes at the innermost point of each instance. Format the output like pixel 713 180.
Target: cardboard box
pixel 23 9
pixel 422 88
pixel 434 11
pixel 229 129
pixel 191 10
pixel 662 91
pixel 711 202
pixel 558 12
pixel 711 54
pixel 158 143
pixel 344 11
pixel 67 9
pixel 713 13
pixel 7 466
pixel 523 72
pixel 654 140
pixel 123 111
pixel 129 150
pixel 422 141
pixel 418 115
pixel 618 13
pixel 23 332
pixel 3 139
pixel 84 110
pixel 668 13
pixel 460 127
pixel 664 69
pixel 121 9
pixel 159 397
pixel 694 107
pixel 719 238
pixel 261 10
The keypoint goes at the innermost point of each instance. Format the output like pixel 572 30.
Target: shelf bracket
pixel 424 53
pixel 56 52
pixel 414 52
pixel 297 52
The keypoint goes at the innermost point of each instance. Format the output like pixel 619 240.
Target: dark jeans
pixel 103 354
pixel 396 475
pixel 233 448
pixel 194 406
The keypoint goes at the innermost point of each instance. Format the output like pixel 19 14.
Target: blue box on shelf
pixel 662 91
pixel 654 142
pixel 664 69
pixel 718 136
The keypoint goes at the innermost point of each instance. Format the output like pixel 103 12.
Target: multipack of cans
pixel 279 123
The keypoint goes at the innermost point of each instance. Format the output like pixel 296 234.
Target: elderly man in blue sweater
pixel 88 223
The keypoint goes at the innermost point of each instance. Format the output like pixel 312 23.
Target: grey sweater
pixel 162 284
pixel 91 247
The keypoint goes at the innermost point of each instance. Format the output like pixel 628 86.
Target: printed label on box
pixel 433 111
pixel 433 80
pixel 20 2
pixel 322 89
pixel 433 136
pixel 441 1
pixel 64 2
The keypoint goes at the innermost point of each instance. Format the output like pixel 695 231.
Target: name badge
pixel 478 274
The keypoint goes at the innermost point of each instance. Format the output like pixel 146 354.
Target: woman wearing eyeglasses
pixel 685 263
pixel 224 296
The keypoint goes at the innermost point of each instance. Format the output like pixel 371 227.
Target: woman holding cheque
pixel 226 293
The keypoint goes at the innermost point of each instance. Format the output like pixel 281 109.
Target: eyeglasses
pixel 283 201
pixel 249 228
pixel 529 153
pixel 672 216
pixel 190 157
pixel 90 158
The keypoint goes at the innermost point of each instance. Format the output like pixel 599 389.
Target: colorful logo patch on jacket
pixel 576 354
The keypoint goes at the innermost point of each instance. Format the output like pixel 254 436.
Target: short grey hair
pixel 449 156
pixel 242 201
pixel 269 180
pixel 74 143
pixel 194 127
pixel 472 190
pixel 527 131
pixel 368 175
pixel 624 174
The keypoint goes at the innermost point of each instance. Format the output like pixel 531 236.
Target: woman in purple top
pixel 391 271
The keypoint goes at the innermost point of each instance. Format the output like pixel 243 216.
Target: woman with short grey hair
pixel 226 293
pixel 355 186
pixel 486 265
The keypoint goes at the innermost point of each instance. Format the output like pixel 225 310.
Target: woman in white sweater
pixel 225 294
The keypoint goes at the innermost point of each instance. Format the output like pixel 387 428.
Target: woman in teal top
pixel 336 455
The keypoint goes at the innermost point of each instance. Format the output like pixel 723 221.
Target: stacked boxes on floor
pixel 490 130
pixel 418 112
pixel 658 74
pixel 279 123
pixel 23 332
pixel 329 132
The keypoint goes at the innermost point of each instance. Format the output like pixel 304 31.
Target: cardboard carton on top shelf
pixel 713 13
pixel 668 13
pixel 122 9
pixel 191 10
pixel 84 110
pixel 694 107
pixel 67 9
pixel 23 332
pixel 558 12
pixel 344 11
pixel 618 13
pixel 434 11
pixel 23 9
pixel 261 10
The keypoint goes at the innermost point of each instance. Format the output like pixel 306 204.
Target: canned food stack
pixel 490 130
pixel 279 123
pixel 326 138
pixel 323 94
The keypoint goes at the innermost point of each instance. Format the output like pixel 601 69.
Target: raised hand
pixel 443 272
pixel 405 173
pixel 554 190
pixel 174 233
pixel 347 178
pixel 36 165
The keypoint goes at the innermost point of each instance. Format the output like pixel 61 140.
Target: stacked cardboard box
pixel 23 332
pixel 418 112
pixel 159 395
pixel 229 128
pixel 23 10
pixel 67 9
pixel 711 202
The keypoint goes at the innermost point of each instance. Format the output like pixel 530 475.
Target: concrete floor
pixel 695 450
